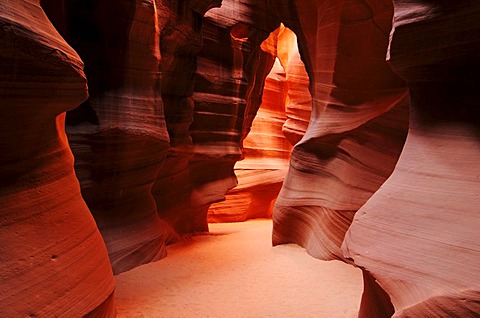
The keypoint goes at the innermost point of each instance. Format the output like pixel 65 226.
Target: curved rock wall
pixel 222 102
pixel 175 87
pixel 298 103
pixel 52 258
pixel 266 151
pixel 280 121
pixel 118 136
pixel 142 192
pixel 176 185
pixel 417 237
pixel 357 127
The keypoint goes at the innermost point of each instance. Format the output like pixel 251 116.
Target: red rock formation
pixel 266 151
pixel 118 136
pixel 417 237
pixel 220 102
pixel 357 127
pixel 176 185
pixel 53 261
pixel 298 100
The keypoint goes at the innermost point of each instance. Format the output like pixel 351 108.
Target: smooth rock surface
pixel 418 235
pixel 279 122
pixel 118 136
pixel 176 100
pixel 225 95
pixel 53 261
pixel 358 124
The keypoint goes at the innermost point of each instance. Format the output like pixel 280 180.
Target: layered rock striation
pixel 266 151
pixel 52 258
pixel 280 121
pixel 357 127
pixel 180 184
pixel 224 98
pixel 175 100
pixel 118 136
pixel 156 141
pixel 416 239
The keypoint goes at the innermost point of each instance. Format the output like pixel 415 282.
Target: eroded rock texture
pixel 141 190
pixel 417 238
pixel 217 110
pixel 52 258
pixel 266 152
pixel 118 136
pixel 357 127
pixel 179 186
pixel 298 101
pixel 176 100
pixel 279 122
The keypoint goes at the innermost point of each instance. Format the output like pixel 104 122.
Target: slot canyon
pixel 239 158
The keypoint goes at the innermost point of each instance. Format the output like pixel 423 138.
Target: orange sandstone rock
pixel 266 152
pixel 118 136
pixel 279 122
pixel 357 127
pixel 298 103
pixel 53 261
pixel 230 73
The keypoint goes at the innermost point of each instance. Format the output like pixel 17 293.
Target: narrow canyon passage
pixel 235 272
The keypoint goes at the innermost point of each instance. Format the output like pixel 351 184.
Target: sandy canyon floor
pixel 235 272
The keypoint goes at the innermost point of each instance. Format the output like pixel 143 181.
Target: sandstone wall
pixel 175 88
pixel 417 238
pixel 52 257
pixel 279 123
pixel 118 136
pixel 211 85
pixel 357 127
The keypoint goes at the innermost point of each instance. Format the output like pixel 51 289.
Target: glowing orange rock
pixel 220 103
pixel 357 127
pixel 266 152
pixel 279 122
pixel 298 103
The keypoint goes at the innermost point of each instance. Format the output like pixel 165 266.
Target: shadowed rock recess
pixel 122 121
pixel 52 258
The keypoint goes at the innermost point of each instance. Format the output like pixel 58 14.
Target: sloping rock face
pixel 118 136
pixel 417 238
pixel 174 90
pixel 216 111
pixel 52 258
pixel 298 100
pixel 184 187
pixel 266 152
pixel 280 121
pixel 142 190
pixel 358 124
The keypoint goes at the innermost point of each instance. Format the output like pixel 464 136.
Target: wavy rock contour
pixel 53 261
pixel 279 123
pixel 417 238
pixel 217 110
pixel 118 136
pixel 357 127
